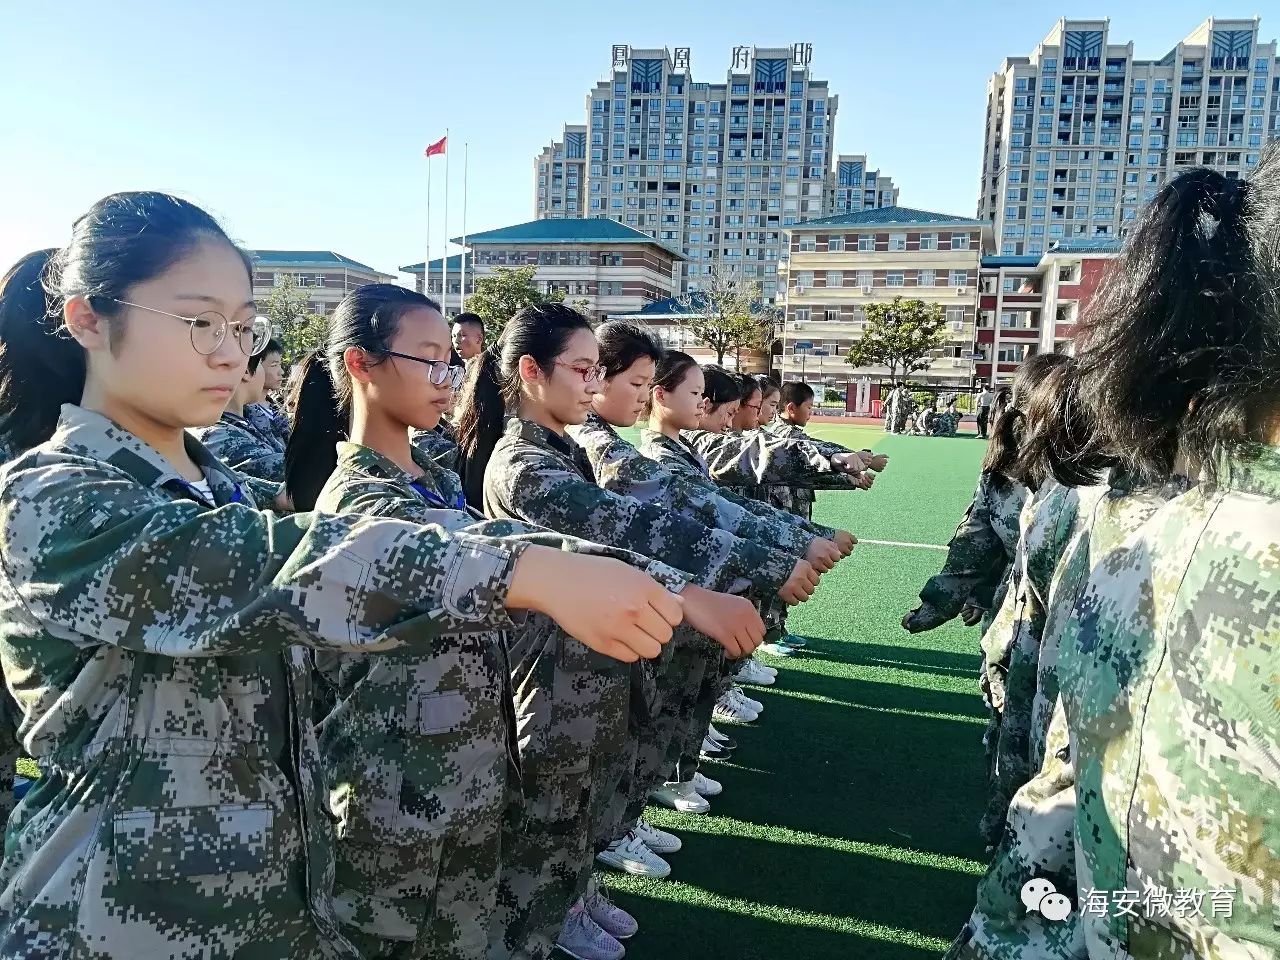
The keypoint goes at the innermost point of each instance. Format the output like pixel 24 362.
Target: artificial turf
pixel 847 828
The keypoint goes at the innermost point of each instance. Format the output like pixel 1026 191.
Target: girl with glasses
pixel 544 371
pixel 151 617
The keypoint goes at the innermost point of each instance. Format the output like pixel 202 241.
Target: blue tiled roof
pixel 308 258
pixel 570 230
pixel 1028 261
pixel 455 264
pixel 673 307
pixel 1087 245
pixel 906 216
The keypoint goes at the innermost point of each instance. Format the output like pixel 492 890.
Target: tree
pixel 499 296
pixel 298 329
pixel 899 336
pixel 729 313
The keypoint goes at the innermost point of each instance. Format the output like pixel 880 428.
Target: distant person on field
pixel 985 399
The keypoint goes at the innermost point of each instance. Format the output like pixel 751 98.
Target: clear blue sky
pixel 302 125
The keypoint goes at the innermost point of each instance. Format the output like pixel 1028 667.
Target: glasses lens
pixel 207 331
pixel 438 373
pixel 594 375
pixel 254 335
pixel 455 376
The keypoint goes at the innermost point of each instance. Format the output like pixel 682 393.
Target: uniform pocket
pixel 441 712
pixel 157 845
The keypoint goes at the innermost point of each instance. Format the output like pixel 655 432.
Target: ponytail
pixel 1036 389
pixel 492 385
pixel 40 370
pixel 319 420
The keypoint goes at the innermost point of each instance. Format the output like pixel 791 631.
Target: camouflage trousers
pixel 712 681
pixel 571 714
pixel 440 905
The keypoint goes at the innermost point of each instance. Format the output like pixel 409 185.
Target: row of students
pixel 153 618
pixel 1136 757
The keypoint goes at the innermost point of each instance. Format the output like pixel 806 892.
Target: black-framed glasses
pixel 439 372
pixel 592 374
pixel 209 329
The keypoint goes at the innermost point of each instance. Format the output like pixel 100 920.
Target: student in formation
pixel 265 414
pixel 545 370
pixel 1164 735
pixel 151 618
pixel 629 355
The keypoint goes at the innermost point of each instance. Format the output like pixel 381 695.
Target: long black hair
pixel 721 386
pixel 320 404
pixel 1009 432
pixel 768 386
pixel 1178 353
pixel 123 240
pixel 623 343
pixel 492 384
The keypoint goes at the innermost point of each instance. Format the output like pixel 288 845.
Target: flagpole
pixel 462 296
pixel 444 264
pixel 426 264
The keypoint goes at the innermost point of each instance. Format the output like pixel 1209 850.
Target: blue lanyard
pixel 190 488
pixel 459 503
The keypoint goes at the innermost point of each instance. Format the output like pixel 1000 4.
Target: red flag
pixel 436 148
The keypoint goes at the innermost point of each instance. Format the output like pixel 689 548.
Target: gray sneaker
pixel 584 939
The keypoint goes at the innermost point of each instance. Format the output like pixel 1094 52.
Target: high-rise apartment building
pixel 561 176
pixel 853 188
pixel 1080 134
pixel 716 170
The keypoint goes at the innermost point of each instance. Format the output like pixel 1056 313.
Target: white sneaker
pixel 610 917
pixel 777 650
pixel 755 674
pixel 727 742
pixel 659 841
pixel 670 795
pixel 630 855
pixel 745 701
pixel 712 750
pixel 706 787
pixel 727 711
pixel 691 793
pixel 584 939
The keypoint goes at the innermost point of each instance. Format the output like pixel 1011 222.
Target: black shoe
pixel 719 754
pixel 727 743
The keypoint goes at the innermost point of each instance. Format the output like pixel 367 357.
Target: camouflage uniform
pixel 979 555
pixel 235 442
pixel 151 643
pixel 10 749
pixel 440 444
pixel 946 423
pixel 622 469
pixel 270 424
pixel 898 410
pixel 1067 534
pixel 572 703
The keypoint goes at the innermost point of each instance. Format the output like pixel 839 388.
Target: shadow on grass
pixel 915 659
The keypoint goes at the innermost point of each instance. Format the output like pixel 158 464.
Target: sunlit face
pixel 560 395
pixel 768 407
pixel 152 373
pixel 468 340
pixel 252 387
pixel 748 415
pixel 622 397
pixel 273 369
pixel 682 406
pixel 719 419
pixel 800 415
pixel 401 388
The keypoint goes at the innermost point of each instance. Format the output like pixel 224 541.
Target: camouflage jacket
pixel 235 442
pixel 1168 678
pixel 768 549
pixel 978 556
pixel 543 478
pixel 798 498
pixel 1068 533
pixel 439 444
pixel 151 644
pixel 270 424
pixel 945 424
pixel 898 408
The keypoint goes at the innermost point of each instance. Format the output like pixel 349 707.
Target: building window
pixel 897 241
pixel 802 314
pixel 928 241
pixel 835 244
pixel 960 241
pixel 866 244
pixel 835 278
pixel 831 314
pixel 926 278
pixel 865 278
pixel 959 278
pixel 808 244
pixel 955 317
pixel 894 279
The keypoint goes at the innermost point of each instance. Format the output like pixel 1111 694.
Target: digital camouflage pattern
pixel 898 410
pixel 1168 677
pixel 236 442
pixel 979 556
pixel 798 498
pixel 151 643
pixel 439 444
pixel 1037 832
pixel 571 703
pixel 946 424
pixel 270 424
pixel 10 750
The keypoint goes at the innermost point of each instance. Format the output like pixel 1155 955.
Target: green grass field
pixel 848 823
